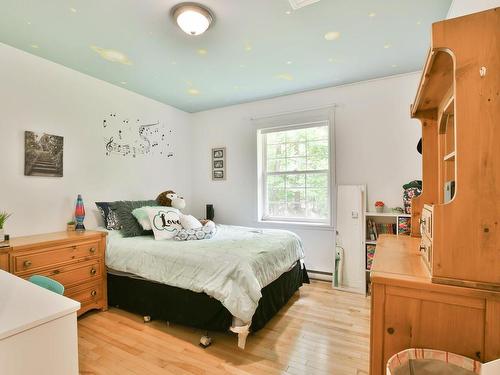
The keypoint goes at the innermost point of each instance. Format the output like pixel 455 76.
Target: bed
pixel 237 281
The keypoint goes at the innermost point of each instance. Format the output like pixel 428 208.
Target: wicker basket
pixel 428 361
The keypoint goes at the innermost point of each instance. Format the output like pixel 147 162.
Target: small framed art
pixel 219 164
pixel 43 154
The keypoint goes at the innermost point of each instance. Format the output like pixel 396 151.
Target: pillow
pixel 130 226
pixel 109 216
pixel 190 222
pixel 204 233
pixel 142 216
pixel 165 222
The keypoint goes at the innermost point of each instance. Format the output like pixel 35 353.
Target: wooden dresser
pixel 75 259
pixel 410 311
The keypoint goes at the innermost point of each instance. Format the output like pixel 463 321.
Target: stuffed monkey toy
pixel 170 199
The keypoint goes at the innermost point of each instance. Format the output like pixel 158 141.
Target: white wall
pixel 462 7
pixel 375 145
pixel 39 95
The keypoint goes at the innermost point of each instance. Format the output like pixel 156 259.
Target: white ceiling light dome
pixel 192 18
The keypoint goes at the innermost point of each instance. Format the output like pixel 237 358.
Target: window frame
pixel 263 216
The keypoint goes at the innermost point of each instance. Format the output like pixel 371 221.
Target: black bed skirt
pixel 198 310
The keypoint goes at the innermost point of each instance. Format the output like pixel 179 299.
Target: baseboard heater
pixel 320 275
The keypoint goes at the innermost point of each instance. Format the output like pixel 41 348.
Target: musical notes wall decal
pixel 128 138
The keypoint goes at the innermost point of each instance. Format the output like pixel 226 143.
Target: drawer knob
pixel 93 293
pixel 92 250
pixel 93 271
pixel 390 330
pixel 27 263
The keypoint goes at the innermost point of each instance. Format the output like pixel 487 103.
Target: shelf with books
pixel 376 223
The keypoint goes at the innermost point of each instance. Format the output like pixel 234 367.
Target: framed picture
pixel 219 164
pixel 43 154
pixel 218 153
pixel 218 175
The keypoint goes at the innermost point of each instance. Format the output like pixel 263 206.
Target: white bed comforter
pixel 232 267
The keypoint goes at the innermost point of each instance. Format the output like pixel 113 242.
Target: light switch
pixel 354 214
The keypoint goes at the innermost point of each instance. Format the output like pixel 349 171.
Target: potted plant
pixel 71 226
pixel 379 206
pixel 3 218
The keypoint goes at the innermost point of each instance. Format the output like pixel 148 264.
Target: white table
pixel 38 330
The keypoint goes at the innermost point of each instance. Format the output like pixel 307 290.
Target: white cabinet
pixel 38 330
pixel 349 271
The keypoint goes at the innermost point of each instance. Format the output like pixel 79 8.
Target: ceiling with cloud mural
pixel 255 49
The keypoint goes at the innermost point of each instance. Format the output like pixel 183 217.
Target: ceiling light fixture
pixel 192 18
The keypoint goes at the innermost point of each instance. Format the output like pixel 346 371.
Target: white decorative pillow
pixel 190 222
pixel 165 222
pixel 142 216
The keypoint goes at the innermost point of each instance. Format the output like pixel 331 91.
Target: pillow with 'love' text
pixel 165 222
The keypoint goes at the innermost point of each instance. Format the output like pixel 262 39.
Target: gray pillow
pixel 130 225
pixel 111 221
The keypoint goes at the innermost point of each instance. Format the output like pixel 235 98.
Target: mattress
pixel 232 267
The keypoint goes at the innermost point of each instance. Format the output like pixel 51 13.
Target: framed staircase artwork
pixel 43 154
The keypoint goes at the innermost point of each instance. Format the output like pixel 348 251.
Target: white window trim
pixel 261 178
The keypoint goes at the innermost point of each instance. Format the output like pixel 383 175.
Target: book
pixel 374 229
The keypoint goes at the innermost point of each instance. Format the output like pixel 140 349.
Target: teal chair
pixel 47 283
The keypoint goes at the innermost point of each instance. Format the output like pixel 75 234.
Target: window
pixel 295 173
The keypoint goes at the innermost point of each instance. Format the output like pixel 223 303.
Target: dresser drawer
pixel 86 293
pixel 26 262
pixel 72 274
pixel 426 252
pixel 426 222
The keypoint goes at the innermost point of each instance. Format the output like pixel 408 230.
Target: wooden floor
pixel 320 331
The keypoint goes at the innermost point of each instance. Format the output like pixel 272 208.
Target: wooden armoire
pixel 458 104
pixel 440 288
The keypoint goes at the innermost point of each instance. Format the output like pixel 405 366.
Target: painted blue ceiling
pixel 256 49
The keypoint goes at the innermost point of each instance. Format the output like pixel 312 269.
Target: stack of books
pixel 385 228
pixel 404 225
pixel 375 229
pixel 370 252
